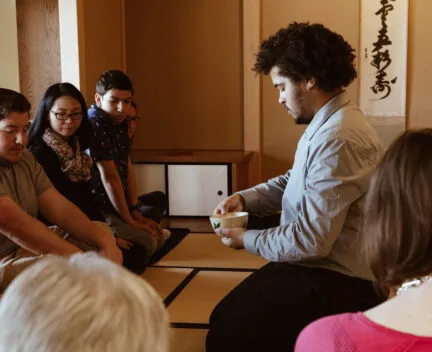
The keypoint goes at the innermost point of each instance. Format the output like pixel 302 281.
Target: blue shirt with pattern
pixel 110 142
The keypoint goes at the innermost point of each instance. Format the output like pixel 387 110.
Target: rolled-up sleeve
pixel 337 175
pixel 266 198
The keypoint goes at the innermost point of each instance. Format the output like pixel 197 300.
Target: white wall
pixel 69 46
pixel 9 69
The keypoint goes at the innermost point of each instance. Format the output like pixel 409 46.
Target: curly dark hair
pixel 302 51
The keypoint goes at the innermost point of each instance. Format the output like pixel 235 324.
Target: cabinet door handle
pixel 220 193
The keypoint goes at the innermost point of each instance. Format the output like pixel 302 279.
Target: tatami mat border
pixel 173 295
pixel 190 326
pixel 182 285
pixel 199 268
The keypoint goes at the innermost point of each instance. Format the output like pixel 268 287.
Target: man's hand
pixel 137 216
pixel 124 244
pixel 230 204
pixel 232 238
pixel 147 224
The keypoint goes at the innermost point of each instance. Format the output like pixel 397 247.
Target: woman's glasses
pixel 63 116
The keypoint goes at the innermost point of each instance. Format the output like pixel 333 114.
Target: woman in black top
pixel 58 138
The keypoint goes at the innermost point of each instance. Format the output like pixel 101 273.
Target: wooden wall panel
pixel 9 68
pixel 185 59
pixel 279 132
pixel 102 30
pixel 38 47
pixel 419 108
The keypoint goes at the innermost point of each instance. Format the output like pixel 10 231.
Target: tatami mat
pixel 204 250
pixel 165 280
pixel 193 224
pixel 188 340
pixel 195 303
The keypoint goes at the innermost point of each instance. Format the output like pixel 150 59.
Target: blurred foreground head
pixel 85 303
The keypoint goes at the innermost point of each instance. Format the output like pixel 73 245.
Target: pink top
pixel 354 332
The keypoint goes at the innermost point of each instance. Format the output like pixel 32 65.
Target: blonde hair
pixel 85 303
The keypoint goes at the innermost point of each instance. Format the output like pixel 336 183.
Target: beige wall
pixel 185 60
pixel 9 70
pixel 279 133
pixel 102 34
pixel 419 89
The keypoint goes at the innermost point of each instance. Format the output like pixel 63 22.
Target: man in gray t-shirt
pixel 25 190
pixel 23 182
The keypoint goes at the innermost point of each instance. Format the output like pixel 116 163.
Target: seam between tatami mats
pixel 193 326
pixel 179 288
pixel 182 285
pixel 185 282
pixel 200 268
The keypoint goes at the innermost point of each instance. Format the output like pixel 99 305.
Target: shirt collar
pixel 326 112
pixel 104 117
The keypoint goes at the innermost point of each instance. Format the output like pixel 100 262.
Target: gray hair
pixel 85 303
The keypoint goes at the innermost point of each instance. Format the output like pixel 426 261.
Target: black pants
pixel 135 258
pixel 154 205
pixel 267 311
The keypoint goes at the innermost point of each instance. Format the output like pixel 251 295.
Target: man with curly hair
pixel 315 265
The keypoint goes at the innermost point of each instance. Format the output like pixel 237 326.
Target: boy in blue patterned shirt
pixel 113 174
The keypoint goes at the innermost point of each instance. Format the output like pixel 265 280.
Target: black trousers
pixel 267 311
pixel 135 258
pixel 154 205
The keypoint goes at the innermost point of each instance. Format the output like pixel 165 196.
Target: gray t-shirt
pixel 23 182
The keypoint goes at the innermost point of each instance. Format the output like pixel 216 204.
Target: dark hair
pixel 398 221
pixel 113 79
pixel 302 51
pixel 11 101
pixel 41 121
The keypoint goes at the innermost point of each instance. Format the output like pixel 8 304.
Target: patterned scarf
pixel 75 165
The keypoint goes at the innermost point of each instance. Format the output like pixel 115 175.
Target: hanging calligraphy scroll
pixel 383 61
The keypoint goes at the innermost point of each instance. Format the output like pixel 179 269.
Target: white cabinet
pixel 195 190
pixel 192 189
pixel 149 178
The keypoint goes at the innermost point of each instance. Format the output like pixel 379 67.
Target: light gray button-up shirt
pixel 322 196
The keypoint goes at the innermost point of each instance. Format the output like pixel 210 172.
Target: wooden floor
pixel 194 277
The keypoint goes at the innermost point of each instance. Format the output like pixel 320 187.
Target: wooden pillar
pixel 252 88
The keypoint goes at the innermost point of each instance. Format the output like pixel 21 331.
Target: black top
pixel 79 193
pixel 110 141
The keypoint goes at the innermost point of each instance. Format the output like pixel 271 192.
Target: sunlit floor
pixel 193 278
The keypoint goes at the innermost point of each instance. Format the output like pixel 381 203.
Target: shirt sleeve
pixel 337 176
pixel 101 146
pixel 265 198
